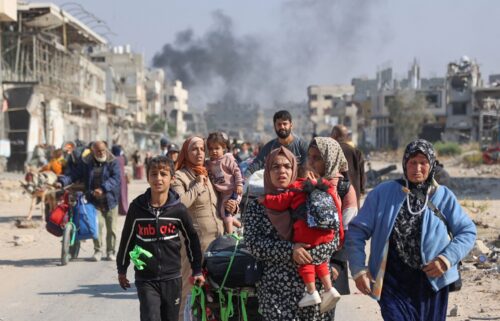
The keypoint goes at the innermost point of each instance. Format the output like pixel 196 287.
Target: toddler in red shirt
pixel 296 199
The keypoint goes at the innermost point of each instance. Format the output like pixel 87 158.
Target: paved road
pixel 35 286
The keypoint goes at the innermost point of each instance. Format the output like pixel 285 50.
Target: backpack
pixel 321 211
pixel 321 208
pixel 230 265
pixel 85 219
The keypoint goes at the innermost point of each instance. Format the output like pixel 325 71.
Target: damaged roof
pixel 49 17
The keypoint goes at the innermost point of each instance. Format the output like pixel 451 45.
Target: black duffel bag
pixel 230 265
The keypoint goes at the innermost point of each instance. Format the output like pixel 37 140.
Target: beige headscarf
pixel 332 154
pixel 282 221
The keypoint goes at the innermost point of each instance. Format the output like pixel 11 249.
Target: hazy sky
pixel 304 42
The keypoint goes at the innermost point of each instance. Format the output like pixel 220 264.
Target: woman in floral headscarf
pixel 412 258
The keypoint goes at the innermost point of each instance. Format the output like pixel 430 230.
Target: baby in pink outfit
pixel 225 176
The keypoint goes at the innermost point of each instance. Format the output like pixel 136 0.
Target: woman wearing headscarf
pixel 412 259
pixel 198 195
pixel 326 159
pixel 267 236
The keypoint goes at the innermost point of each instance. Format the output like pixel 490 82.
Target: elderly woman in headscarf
pixel 419 233
pixel 267 236
pixel 198 195
pixel 326 159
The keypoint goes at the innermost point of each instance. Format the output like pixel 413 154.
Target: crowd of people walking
pixel 308 229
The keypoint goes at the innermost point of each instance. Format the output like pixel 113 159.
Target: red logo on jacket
pixel 150 230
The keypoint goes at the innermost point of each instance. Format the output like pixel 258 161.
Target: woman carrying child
pixel 266 236
pixel 307 229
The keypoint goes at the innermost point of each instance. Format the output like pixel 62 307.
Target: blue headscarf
pixel 116 150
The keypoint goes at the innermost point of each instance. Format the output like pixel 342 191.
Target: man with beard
pixel 100 172
pixel 283 126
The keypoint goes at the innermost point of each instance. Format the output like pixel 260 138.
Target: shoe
pixel 96 257
pixel 111 257
pixel 310 299
pixel 329 300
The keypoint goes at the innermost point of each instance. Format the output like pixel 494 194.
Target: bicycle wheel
pixel 66 240
pixel 74 250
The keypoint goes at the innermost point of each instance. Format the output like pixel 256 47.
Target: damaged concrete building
pixel 473 109
pixel 176 102
pixel 242 121
pixel 327 107
pixel 53 90
pixel 62 81
pixel 373 127
pixel 463 108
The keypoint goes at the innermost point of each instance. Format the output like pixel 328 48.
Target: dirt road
pixel 35 286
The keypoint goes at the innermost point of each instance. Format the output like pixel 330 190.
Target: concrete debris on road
pixel 23 239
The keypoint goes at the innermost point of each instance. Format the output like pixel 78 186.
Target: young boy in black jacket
pixel 151 232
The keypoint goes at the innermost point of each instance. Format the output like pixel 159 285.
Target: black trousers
pixel 339 262
pixel 159 300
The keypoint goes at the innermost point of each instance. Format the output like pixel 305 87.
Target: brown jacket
pixel 201 202
pixel 356 169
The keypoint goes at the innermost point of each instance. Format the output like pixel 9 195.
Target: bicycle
pixel 73 219
pixel 70 246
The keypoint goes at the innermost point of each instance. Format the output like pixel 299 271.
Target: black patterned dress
pixel 281 288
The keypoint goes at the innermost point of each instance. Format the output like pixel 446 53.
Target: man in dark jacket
pixel 283 125
pixel 354 158
pixel 151 235
pixel 100 173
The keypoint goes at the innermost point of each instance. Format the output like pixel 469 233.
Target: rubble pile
pixel 481 171
pixel 483 261
pixel 10 190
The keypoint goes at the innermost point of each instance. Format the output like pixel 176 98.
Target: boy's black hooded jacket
pixel 157 231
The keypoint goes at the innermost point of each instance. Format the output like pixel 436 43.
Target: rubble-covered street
pixel 478 190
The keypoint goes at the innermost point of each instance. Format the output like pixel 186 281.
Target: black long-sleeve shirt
pixel 157 231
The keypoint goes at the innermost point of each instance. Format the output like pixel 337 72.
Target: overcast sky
pixel 304 42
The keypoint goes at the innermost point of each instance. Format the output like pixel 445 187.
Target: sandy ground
pixel 478 190
pixel 35 286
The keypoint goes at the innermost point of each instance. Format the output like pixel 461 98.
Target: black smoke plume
pixel 316 42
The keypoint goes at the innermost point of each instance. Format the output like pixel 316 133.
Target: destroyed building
pixel 473 109
pixel 176 107
pixel 62 81
pixel 326 108
pixel 366 113
pixel 53 90
pixel 243 121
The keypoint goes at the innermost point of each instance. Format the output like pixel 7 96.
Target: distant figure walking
pixel 123 203
pixel 354 158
